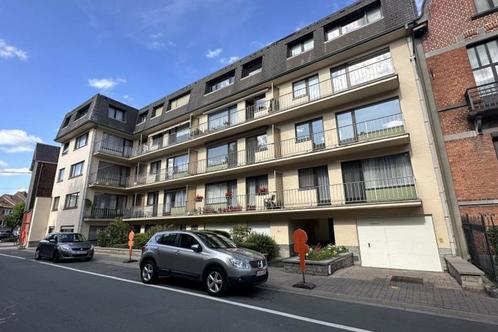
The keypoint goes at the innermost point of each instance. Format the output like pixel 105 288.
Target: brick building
pixel 458 51
pixel 8 202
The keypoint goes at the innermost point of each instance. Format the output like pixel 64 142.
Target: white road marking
pixel 207 297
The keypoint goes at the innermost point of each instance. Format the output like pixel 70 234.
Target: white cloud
pixel 211 54
pixel 230 60
pixel 16 140
pixel 8 51
pixel 14 171
pixel 105 83
pixel 155 35
pixel 3 163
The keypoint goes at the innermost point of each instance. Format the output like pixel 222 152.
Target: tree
pixel 14 219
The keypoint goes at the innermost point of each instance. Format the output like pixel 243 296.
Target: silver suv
pixel 205 256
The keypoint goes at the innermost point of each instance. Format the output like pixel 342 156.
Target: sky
pixel 55 54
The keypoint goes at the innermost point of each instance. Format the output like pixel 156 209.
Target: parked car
pixel 204 256
pixel 60 246
pixel 5 233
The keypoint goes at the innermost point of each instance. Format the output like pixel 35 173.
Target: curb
pixel 118 251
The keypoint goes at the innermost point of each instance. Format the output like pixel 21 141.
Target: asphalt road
pixel 103 295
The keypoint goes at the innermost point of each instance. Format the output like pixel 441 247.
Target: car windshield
pixel 71 238
pixel 215 241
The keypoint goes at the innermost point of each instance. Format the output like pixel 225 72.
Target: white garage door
pixel 399 243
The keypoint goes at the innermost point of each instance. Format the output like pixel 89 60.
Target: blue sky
pixel 56 54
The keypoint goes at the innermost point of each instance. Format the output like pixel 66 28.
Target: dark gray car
pixel 203 256
pixel 60 246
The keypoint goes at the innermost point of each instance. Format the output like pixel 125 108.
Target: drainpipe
pixel 438 153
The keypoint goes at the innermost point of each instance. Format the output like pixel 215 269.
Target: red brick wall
pixel 473 160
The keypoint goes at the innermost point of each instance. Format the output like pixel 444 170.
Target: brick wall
pixel 473 160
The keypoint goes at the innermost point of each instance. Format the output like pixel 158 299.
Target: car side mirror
pixel 51 240
pixel 196 247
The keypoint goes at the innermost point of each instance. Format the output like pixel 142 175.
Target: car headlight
pixel 240 264
pixel 64 247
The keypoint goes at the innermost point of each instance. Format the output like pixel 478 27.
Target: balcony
pixel 108 180
pixel 482 102
pixel 398 192
pixel 114 150
pixel 370 80
pixel 103 213
pixel 387 131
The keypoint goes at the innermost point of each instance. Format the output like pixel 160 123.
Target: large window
pixel 300 46
pixel 220 82
pixel 222 155
pixel 76 169
pixel 222 119
pixel 113 175
pixel 311 130
pixel 152 198
pixel 369 122
pixel 309 87
pixel 384 178
pixel 116 114
pixel 359 72
pixel 179 101
pixel 484 62
pixel 157 141
pixel 71 201
pixel 256 185
pixel 155 167
pixel 222 193
pixel 179 134
pixel 177 166
pixel 316 178
pixel 174 199
pixel 485 5
pixel 116 145
pixel 81 141
pixel 366 17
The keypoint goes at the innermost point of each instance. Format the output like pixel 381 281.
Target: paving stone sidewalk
pixel 438 292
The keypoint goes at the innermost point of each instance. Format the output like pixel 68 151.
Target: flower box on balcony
pixel 208 210
pixel 228 194
pixel 262 191
pixel 232 209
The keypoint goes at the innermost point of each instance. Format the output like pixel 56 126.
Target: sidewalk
pixel 438 292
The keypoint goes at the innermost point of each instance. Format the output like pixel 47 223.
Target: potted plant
pixel 199 198
pixel 228 194
pixel 262 190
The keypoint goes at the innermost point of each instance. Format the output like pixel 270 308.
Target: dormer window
pixel 252 67
pixel 220 82
pixel 365 17
pixel 142 117
pixel 179 101
pixel 116 114
pixel 303 44
pixel 157 110
pixel 82 112
pixel 66 122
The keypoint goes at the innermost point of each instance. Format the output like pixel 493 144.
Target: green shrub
pixel 318 253
pixel 140 240
pixel 159 228
pixel 262 243
pixel 115 234
pixel 492 233
pixel 240 233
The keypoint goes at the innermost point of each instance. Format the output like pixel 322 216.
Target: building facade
pixel 8 202
pixel 324 130
pixel 461 53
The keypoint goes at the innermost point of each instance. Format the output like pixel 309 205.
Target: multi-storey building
pixel 324 130
pixel 458 52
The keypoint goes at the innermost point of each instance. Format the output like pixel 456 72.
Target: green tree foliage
pixel 15 217
pixel 240 233
pixel 115 234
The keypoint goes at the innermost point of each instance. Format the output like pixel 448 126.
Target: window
pixel 174 199
pixel 179 101
pixel 225 154
pixel 220 82
pixel 116 114
pixel 316 178
pixel 67 229
pixel 71 201
pixel 109 201
pixel 179 134
pixel 485 5
pixel 252 67
pixel 177 165
pixel 256 185
pixel 483 60
pixel 116 145
pixel 186 241
pixel 378 178
pixel 81 141
pixel 222 119
pixel 152 198
pixel 371 121
pixel 76 169
pixel 222 193
pixel 256 107
pixel 82 112
pixel 157 141
pixel 362 71
pixel 308 87
pixel 155 167
pixel 167 239
pixel 60 177
pixel 142 117
pixel 157 110
pixel 365 17
pixel 66 121
pixel 55 203
pixel 302 45
pixel 311 130
pixel 65 148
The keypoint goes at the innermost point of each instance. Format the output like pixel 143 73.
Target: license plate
pixel 260 273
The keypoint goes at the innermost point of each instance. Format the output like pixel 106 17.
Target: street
pixel 106 295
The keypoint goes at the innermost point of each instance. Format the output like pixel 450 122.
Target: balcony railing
pixel 113 149
pixel 483 98
pixel 327 140
pixel 362 192
pixel 109 180
pixel 103 213
pixel 338 84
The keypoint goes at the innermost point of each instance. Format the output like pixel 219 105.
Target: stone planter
pixel 319 268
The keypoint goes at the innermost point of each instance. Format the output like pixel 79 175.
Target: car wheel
pixel 216 281
pixel 148 272
pixel 87 259
pixel 56 257
pixel 37 254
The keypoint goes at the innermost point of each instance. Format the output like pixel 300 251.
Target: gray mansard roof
pixel 396 14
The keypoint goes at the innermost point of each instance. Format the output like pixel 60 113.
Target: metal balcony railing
pixel 110 180
pixel 118 150
pixel 362 192
pixel 482 98
pixel 355 76
pixel 103 213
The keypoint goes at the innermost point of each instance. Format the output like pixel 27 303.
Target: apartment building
pixel 459 53
pixel 323 130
